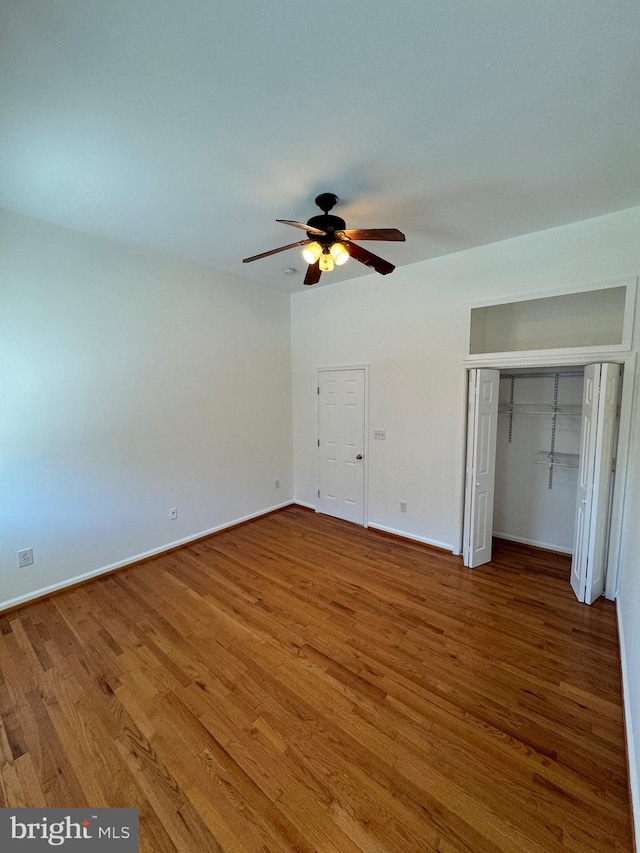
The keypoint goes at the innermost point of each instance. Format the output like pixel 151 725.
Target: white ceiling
pixel 191 126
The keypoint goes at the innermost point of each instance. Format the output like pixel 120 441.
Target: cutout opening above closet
pixel 597 318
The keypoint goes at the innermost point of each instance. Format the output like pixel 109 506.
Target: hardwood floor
pixel 299 683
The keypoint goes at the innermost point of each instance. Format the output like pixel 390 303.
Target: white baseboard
pixel 634 781
pixel 94 573
pixel 445 546
pixel 401 533
pixel 548 546
pixel 305 504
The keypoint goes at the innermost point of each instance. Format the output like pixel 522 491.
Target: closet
pixel 537 457
pixel 540 464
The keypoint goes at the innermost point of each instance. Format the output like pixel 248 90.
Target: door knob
pixel 359 456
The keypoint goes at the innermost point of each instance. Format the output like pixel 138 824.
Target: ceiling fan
pixel 330 243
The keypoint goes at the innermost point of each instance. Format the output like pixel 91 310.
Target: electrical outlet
pixel 403 506
pixel 25 557
pixel 173 513
pixel 380 434
pixel 277 484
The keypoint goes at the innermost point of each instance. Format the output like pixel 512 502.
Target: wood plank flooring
pixel 302 684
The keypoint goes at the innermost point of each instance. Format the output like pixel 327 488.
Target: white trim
pixel 599 353
pixel 620 481
pixel 460 497
pixel 361 366
pixel 94 573
pixel 365 365
pixel 445 546
pixel 467 453
pixel 629 282
pixel 634 781
pixel 548 546
pixel 561 358
pixel 629 311
pixel 547 358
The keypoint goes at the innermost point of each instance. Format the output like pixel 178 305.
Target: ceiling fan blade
pixel 368 258
pixel 374 234
pixel 313 274
pixel 275 251
pixel 310 228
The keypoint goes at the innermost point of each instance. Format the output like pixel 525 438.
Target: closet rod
pixel 541 375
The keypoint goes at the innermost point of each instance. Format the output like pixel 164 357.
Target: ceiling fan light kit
pixel 312 252
pixel 339 254
pixel 326 261
pixel 329 243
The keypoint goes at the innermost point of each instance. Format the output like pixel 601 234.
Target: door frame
pixel 325 369
pixel 560 358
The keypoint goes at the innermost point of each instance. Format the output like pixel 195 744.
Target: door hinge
pixel 318 492
pixel 318 389
pixel 318 442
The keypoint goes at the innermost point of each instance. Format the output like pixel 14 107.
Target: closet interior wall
pixel 538 444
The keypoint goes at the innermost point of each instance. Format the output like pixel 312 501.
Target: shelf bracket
pixel 511 395
pixel 556 382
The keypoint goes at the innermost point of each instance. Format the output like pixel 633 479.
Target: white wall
pixel 411 327
pixel 130 383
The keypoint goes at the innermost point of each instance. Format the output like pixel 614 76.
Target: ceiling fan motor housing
pixel 326 222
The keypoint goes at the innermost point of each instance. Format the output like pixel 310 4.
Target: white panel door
pixel 341 425
pixel 595 479
pixel 481 465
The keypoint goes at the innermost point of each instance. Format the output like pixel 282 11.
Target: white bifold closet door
pixel 482 429
pixel 595 479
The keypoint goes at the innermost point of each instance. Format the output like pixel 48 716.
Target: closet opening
pixel 537 457
pixel 540 470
